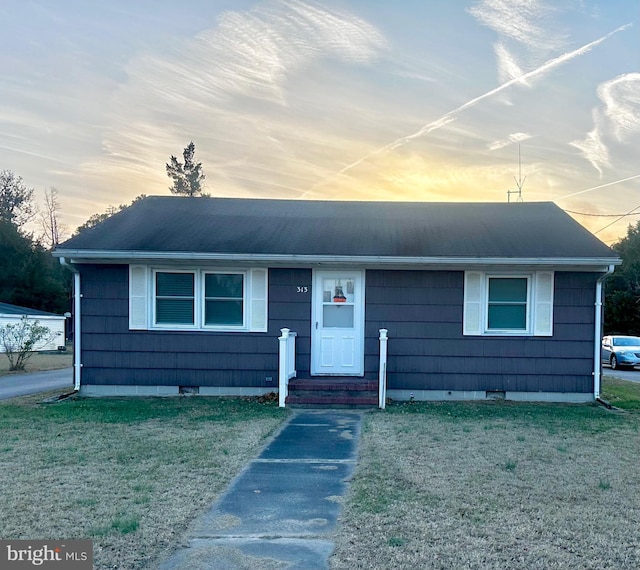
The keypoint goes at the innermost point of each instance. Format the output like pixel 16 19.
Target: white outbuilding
pixel 12 314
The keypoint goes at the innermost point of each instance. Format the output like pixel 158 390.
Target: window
pixel 508 304
pixel 224 299
pixel 201 299
pixel 175 298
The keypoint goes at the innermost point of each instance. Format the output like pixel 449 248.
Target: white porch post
pixel 283 379
pixel 382 370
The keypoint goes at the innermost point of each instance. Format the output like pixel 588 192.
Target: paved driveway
pixel 633 374
pixel 14 385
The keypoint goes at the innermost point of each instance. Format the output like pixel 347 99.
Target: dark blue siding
pixel 427 351
pixel 421 309
pixel 112 354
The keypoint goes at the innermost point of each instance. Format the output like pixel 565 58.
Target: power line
pixel 602 215
pixel 618 219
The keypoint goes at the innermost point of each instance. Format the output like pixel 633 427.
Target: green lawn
pixel 621 393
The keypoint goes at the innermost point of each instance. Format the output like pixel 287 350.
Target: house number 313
pixel 303 289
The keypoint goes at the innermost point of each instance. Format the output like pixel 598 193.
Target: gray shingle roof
pixel 7 309
pixel 304 227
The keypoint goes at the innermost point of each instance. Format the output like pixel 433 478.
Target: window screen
pixel 507 308
pixel 175 298
pixel 224 299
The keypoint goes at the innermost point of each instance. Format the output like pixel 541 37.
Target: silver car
pixel 620 351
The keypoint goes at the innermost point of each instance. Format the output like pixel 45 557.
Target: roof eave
pixel 90 256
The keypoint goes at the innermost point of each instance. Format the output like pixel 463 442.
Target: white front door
pixel 337 330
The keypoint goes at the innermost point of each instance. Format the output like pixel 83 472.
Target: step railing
pixel 382 370
pixel 286 363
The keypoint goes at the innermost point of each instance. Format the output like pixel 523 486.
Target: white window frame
pixel 528 319
pixel 142 298
pixel 539 309
pixel 245 308
pixel 154 297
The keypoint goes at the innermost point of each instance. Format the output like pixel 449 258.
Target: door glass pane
pixel 337 316
pixel 338 290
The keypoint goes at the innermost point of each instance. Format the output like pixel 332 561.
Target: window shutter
pixel 138 297
pixel 473 302
pixel 543 304
pixel 258 300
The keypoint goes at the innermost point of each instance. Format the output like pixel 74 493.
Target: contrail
pixel 450 116
pixel 598 187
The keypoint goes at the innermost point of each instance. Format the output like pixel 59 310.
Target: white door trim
pixel 359 319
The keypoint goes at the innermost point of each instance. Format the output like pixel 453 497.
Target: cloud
pixel 621 98
pixel 447 118
pixel 243 92
pixel 618 119
pixel 252 53
pixel 523 26
pixel 513 138
pixel 594 149
pixel 507 67
pixel 523 21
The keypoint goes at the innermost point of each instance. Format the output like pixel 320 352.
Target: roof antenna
pixel 519 182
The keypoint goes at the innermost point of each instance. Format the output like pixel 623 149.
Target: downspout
pixel 77 333
pixel 597 360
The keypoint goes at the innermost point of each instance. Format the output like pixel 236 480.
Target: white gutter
pixel 77 333
pixel 89 255
pixel 597 360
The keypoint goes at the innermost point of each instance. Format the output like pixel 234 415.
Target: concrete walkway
pixel 280 511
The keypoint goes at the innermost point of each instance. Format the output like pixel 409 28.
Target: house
pixel 477 300
pixel 12 314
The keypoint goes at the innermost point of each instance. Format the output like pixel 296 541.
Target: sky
pixel 414 100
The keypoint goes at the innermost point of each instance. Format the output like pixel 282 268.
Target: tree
pixel 187 176
pixel 622 289
pixel 16 200
pixel 50 219
pixel 29 275
pixel 20 340
pixel 96 219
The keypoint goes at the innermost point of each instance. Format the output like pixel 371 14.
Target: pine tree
pixel 187 176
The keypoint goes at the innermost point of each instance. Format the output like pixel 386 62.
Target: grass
pixel 131 474
pixel 483 485
pixel 621 393
pixel 39 362
pixel 443 485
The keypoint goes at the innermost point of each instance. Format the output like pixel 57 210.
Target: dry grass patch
pixel 494 485
pixel 39 362
pixel 131 474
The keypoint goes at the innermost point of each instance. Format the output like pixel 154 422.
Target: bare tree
pixel 187 176
pixel 52 229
